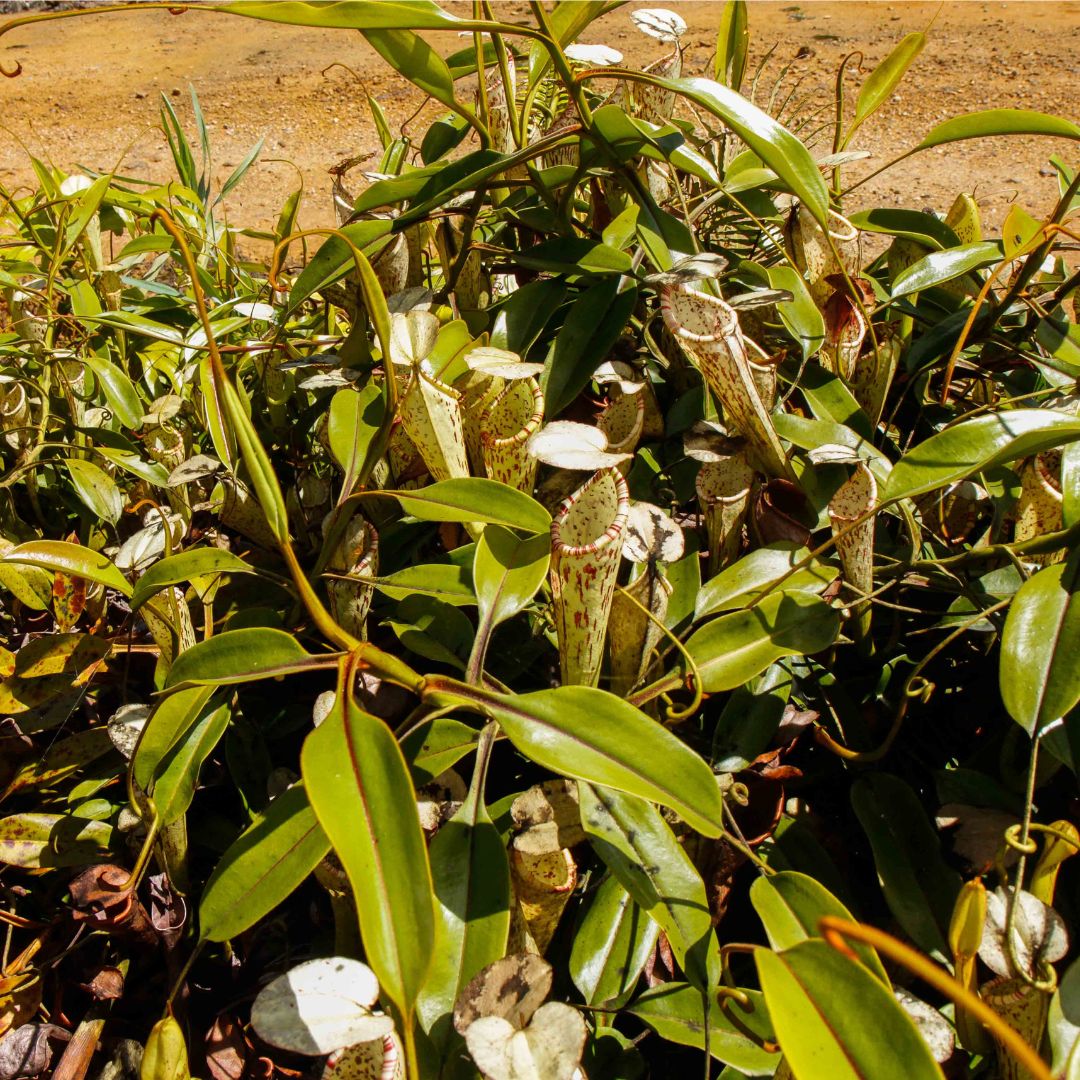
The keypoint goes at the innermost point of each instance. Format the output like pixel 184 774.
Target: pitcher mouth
pixel 731 320
pixel 611 534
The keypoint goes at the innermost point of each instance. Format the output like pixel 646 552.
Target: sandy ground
pixel 89 92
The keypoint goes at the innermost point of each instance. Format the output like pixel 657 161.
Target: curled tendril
pixel 1014 841
pixel 11 73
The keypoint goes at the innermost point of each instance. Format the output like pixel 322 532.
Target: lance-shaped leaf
pixel 814 256
pixel 471 878
pixel 611 946
pixel 883 80
pixel 919 887
pixel 507 572
pixel 431 415
pixel 353 425
pixel 357 557
pixel 975 445
pixel 723 492
pixel 262 866
pixel 589 734
pixel 735 647
pixel 1039 508
pixel 790 904
pixel 506 425
pixel 235 656
pixel 676 1012
pixel 641 851
pixel 774 144
pixel 979 125
pixel 40 840
pixel 62 557
pixel 854 499
pixel 832 1017
pixel 475 498
pixel 359 787
pixel 177 772
pixel 586 546
pixel 1040 679
pixel 708 331
pixel 184 566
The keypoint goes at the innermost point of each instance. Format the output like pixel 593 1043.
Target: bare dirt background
pixel 89 92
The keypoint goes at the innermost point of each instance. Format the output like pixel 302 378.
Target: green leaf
pixel 263 478
pixel 833 1017
pixel 591 735
pixel 444 581
pixel 809 433
pixel 979 125
pixel 831 402
pixel 349 14
pixel 521 318
pixel 919 887
pixel 573 256
pixel 568 19
pixel 62 557
pixel 178 771
pixel 254 652
pixel 471 876
pixel 790 906
pixel 263 866
pixel 184 566
pixel 594 323
pixel 745 581
pixel 735 647
pixel 732 44
pixel 1040 676
pixel 941 266
pixel 507 572
pixel 172 718
pixel 410 55
pixel 612 944
pixel 238 173
pixel 434 746
pixel 40 840
pixel 801 317
pixel 772 142
pixel 883 80
pixel 676 1013
pixel 137 324
pixel 474 498
pixel 335 256
pixel 640 849
pixel 359 787
pixel 352 428
pixel 96 489
pixel 974 445
pixel 924 229
pixel 118 389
